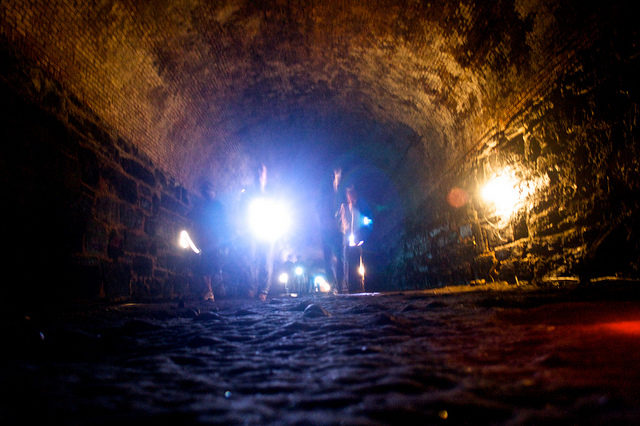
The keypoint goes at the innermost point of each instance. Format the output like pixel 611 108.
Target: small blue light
pixel 366 221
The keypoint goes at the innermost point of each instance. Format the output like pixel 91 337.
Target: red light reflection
pixel 623 327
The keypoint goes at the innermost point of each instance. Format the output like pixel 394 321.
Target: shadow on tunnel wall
pixel 42 216
pixel 86 216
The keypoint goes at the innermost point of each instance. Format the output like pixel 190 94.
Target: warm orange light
pixel 502 192
pixel 361 268
pixel 506 192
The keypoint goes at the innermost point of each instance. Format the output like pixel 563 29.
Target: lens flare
pixel 457 197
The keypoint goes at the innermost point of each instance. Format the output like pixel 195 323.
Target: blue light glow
pixel 268 219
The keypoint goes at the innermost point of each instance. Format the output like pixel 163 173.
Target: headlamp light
pixel 268 219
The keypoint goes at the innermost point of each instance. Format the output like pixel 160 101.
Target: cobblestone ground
pixel 480 357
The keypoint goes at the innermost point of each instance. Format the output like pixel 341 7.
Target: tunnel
pixel 493 146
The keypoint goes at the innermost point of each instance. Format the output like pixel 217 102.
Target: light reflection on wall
pixel 506 192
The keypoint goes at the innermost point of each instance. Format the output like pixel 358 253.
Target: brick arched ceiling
pixel 206 88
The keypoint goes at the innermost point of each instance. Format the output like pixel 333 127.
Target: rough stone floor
pixel 477 357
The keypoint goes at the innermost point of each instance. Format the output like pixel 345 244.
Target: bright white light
pixel 268 219
pixel 507 193
pixel 184 241
pixel 361 268
pixel 501 191
pixel 366 221
pixel 299 270
pixel 283 278
pixel 352 240
pixel 322 284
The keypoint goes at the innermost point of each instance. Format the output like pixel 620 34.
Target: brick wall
pixel 575 149
pixel 89 217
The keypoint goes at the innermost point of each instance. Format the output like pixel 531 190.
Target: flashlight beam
pixel 185 242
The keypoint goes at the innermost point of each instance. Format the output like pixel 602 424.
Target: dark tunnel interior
pixel 116 112
pixel 492 145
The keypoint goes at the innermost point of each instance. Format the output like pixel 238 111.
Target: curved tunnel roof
pixel 206 88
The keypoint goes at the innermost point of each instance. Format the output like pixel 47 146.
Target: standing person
pixel 209 223
pixel 350 220
pixel 262 252
pixel 330 202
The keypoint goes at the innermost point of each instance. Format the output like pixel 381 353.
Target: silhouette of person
pixel 209 223
pixel 331 236
pixel 262 252
pixel 352 239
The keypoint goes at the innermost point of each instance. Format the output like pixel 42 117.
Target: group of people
pixel 340 220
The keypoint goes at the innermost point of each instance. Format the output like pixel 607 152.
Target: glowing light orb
pixel 268 219
pixel 507 193
pixel 352 240
pixel 299 270
pixel 457 197
pixel 283 278
pixel 502 192
pixel 366 221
